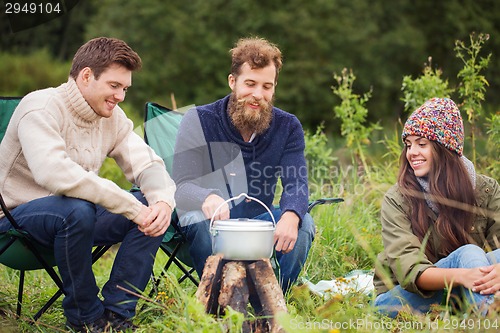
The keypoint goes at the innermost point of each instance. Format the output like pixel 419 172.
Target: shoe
pixel 100 325
pixel 118 322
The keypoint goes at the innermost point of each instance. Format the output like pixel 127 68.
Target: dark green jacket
pixel 403 259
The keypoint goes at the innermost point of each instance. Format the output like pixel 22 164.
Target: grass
pixel 348 238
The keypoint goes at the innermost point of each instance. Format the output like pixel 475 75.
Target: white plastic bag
pixel 357 281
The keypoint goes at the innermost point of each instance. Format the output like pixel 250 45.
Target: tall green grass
pixel 348 238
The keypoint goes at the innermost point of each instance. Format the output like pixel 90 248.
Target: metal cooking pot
pixel 243 239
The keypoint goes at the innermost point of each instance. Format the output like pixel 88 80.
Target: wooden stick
pixel 209 287
pixel 269 291
pixel 234 290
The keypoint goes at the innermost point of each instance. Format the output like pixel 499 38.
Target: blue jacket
pixel 212 157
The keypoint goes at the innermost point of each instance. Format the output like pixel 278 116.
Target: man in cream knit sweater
pixel 51 154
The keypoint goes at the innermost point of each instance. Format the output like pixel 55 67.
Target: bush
pixel 21 74
pixel 319 157
pixel 429 85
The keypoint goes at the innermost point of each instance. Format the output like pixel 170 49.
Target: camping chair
pixel 17 248
pixel 160 130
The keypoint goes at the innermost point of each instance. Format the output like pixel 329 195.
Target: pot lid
pixel 243 224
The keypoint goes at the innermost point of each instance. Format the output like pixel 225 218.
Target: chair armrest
pixel 323 201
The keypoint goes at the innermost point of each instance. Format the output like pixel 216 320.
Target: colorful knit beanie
pixel 438 120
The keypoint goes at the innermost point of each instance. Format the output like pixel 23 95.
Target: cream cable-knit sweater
pixel 55 144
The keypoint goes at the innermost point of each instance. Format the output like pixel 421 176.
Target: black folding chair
pixel 18 250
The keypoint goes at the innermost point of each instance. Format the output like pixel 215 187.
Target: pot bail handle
pixel 238 197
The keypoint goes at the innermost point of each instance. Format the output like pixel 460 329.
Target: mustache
pixel 251 100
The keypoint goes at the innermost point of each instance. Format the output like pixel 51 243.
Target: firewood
pixel 236 283
pixel 209 287
pixel 234 290
pixel 268 290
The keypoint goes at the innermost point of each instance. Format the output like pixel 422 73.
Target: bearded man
pixel 243 144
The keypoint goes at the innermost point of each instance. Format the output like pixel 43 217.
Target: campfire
pixel 239 283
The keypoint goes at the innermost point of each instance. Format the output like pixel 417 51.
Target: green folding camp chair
pixel 17 248
pixel 7 107
pixel 160 130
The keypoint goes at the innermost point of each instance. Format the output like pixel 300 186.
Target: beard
pixel 246 119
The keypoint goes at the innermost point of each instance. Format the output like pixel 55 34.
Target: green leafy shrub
pixel 352 112
pixel 430 84
pixel 320 159
pixel 21 74
pixel 494 145
pixel 473 84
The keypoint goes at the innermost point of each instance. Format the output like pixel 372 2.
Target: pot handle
pixel 238 197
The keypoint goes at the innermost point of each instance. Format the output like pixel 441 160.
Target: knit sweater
pixel 212 157
pixel 55 144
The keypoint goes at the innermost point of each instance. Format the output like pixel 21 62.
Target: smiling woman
pixel 439 221
pixel 419 154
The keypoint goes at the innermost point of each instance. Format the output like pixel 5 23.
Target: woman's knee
pixel 494 256
pixel 471 249
pixel 470 256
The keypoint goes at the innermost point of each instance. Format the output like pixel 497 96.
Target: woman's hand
pixel 490 282
pixel 435 278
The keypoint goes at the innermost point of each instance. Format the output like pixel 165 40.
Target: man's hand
pixel 210 205
pixel 286 233
pixel 490 282
pixel 154 220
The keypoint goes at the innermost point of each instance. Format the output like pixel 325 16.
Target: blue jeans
pixel 467 256
pixel 197 231
pixel 72 227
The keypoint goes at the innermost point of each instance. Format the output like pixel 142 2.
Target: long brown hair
pixel 453 194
